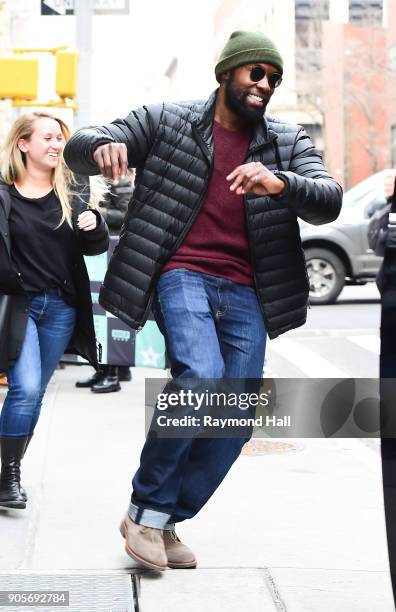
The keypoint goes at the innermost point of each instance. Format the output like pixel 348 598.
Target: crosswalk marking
pixel 308 361
pixel 339 332
pixel 369 342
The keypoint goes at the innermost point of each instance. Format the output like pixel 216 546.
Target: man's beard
pixel 237 103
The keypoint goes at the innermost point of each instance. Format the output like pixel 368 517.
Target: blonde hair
pixel 64 183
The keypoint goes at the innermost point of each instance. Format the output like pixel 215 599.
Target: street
pixel 340 340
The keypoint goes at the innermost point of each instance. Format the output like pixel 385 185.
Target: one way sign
pixel 57 7
pixel 101 7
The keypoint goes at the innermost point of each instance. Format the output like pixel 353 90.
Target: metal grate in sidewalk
pixel 86 592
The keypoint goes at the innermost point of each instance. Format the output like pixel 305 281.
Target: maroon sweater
pixel 217 241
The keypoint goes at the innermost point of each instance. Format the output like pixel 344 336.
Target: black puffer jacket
pixel 171 146
pixel 93 242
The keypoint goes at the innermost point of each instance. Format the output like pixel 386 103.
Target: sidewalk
pixel 297 528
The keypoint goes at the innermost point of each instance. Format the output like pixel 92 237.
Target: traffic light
pixel 19 78
pixel 66 73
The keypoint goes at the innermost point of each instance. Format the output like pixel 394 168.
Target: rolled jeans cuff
pixel 150 518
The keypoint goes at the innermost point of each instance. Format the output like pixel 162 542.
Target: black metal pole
pixel 388 390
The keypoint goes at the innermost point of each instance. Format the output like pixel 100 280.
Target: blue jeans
pixel 49 329
pixel 213 328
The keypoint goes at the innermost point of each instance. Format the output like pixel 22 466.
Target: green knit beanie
pixel 247 48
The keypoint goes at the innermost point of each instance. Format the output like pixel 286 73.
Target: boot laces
pixel 11 471
pixel 10 476
pixel 174 536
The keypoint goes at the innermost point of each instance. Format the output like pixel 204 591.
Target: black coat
pixel 171 147
pixel 114 207
pixel 94 242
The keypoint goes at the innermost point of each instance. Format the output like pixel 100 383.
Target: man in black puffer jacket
pixel 212 242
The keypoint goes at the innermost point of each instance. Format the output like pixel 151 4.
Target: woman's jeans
pixel 213 329
pixel 49 329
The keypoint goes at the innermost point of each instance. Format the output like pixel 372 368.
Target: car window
pixel 374 201
pixel 361 194
pixel 358 200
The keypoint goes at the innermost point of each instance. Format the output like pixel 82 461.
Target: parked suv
pixel 338 253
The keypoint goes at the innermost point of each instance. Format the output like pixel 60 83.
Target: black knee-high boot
pixel 12 450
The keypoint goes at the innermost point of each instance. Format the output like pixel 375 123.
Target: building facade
pixel 340 69
pixel 345 67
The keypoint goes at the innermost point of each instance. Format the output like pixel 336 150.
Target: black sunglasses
pixel 257 73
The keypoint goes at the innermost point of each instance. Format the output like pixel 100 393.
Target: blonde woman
pixel 47 224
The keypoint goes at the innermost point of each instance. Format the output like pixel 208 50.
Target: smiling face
pixel 389 184
pixel 44 148
pixel 246 98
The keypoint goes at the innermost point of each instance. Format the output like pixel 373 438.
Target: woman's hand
pixel 86 221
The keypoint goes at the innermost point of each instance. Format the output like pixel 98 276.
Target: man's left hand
pixel 255 178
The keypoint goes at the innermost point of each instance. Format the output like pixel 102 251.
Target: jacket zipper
pixel 177 244
pixel 253 262
pixel 252 257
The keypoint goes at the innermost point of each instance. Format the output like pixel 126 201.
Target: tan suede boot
pixel 179 555
pixel 144 544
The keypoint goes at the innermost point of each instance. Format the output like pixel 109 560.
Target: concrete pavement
pixel 297 525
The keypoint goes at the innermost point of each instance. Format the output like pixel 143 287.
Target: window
pixel 366 12
pixel 308 62
pixel 392 58
pixel 312 9
pixel 309 34
pixel 308 57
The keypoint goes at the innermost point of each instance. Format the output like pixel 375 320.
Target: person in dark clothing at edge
pixel 46 226
pixel 211 240
pixel 107 378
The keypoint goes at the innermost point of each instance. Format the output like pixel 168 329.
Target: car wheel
pixel 326 275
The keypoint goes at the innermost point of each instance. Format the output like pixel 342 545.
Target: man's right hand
pixel 112 159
